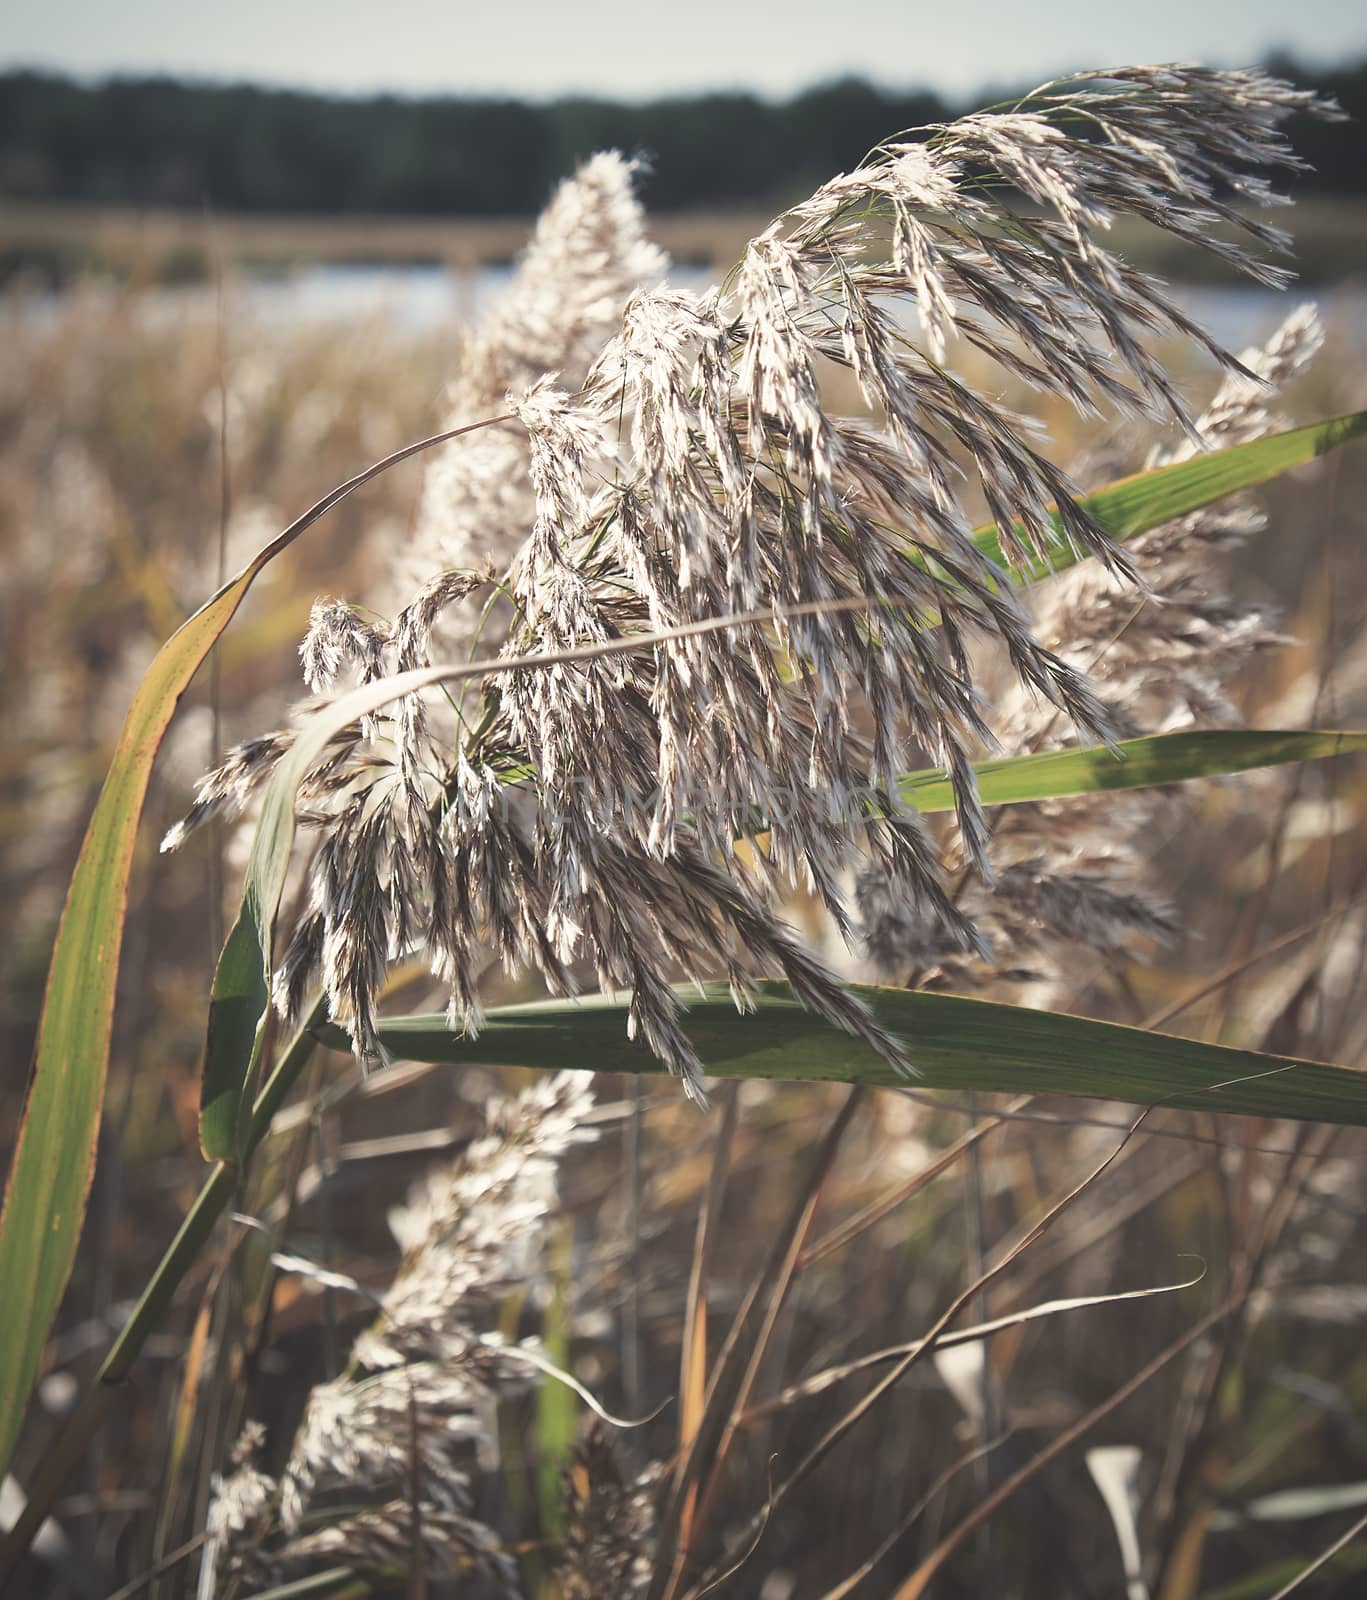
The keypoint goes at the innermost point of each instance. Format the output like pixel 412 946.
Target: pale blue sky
pixel 635 48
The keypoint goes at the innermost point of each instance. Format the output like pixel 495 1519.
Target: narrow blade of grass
pixel 1132 764
pixel 1133 505
pixel 820 1382
pixel 557 1410
pixel 54 1162
pixel 955 1043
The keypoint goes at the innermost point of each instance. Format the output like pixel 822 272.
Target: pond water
pixel 427 298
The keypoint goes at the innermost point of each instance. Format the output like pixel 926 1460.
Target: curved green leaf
pixel 54 1160
pixel 1131 764
pixel 1133 505
pixel 238 1002
pixel 53 1165
pixel 954 1043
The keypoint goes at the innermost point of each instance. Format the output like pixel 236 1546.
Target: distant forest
pixel 159 142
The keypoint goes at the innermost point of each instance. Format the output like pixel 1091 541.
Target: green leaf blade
pixel 1146 500
pixel 240 997
pixel 54 1161
pixel 237 1007
pixel 954 1042
pixel 1132 764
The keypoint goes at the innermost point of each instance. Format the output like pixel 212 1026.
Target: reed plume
pixel 413 1413
pixel 581 821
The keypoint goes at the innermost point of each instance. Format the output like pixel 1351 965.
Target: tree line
pixel 162 142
